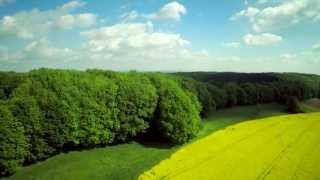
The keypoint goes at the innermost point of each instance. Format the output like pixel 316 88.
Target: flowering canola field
pixel 278 148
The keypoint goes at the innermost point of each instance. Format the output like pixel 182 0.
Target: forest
pixel 47 111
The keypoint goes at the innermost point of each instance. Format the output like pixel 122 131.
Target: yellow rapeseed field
pixel 278 148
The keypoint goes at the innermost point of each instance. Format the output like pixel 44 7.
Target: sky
pixel 161 35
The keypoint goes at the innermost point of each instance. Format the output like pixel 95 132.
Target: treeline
pixel 224 77
pixel 44 112
pixel 221 90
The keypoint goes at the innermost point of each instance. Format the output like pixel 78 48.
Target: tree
pixel 177 118
pixel 293 105
pixel 9 81
pixel 242 97
pixel 319 90
pixel 136 100
pixel 97 120
pixel 2 94
pixel 219 96
pixel 232 94
pixel 202 92
pixel 27 112
pixel 252 93
pixel 13 143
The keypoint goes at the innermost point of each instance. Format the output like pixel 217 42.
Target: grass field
pixel 128 161
pixel 282 147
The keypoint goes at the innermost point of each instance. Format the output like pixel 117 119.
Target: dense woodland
pixel 221 90
pixel 45 111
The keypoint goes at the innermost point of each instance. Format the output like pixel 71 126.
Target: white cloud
pixel 303 62
pixel 231 44
pixel 283 14
pixel 261 39
pixel 39 53
pixel 138 46
pixel 250 12
pixel 288 58
pixel 170 11
pixel 9 27
pixel 70 21
pixel 72 5
pixel 316 47
pixel 5 2
pixel 43 49
pixel 28 24
pixel 132 37
pixel 262 1
pixel 317 18
pixel 229 59
pixel 132 15
pixel 123 46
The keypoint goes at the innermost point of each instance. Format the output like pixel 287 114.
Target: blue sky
pixel 161 35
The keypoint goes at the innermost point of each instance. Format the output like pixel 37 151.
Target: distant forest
pixel 227 89
pixel 44 112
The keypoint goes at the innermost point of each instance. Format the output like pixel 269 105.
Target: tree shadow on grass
pixel 153 140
